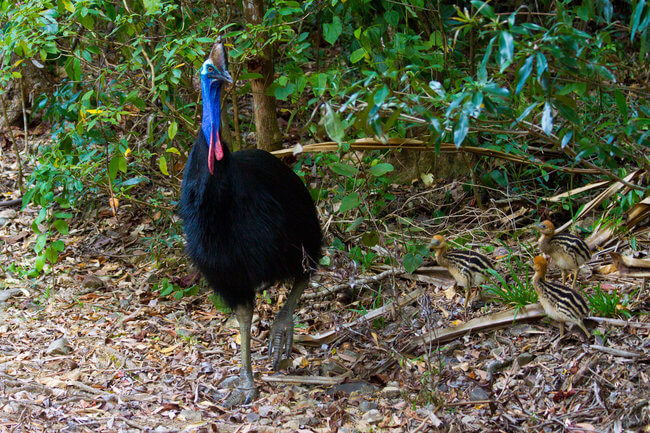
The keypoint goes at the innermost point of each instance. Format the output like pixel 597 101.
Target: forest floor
pixel 92 347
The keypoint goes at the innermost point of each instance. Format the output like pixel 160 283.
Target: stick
pixel 615 352
pixel 492 321
pixel 618 322
pixel 332 334
pixel 360 281
pixel 306 380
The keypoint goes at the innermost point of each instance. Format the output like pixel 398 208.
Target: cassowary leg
pixel 281 338
pixel 245 391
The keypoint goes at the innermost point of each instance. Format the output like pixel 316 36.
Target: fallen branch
pixel 306 380
pixel 358 282
pixel 492 321
pixel 331 335
pixel 618 322
pixel 10 203
pixel 413 144
pixel 615 352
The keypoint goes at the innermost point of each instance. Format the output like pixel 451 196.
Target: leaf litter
pixel 91 347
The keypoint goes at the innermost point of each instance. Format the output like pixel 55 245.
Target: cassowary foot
pixel 240 397
pixel 281 339
pixel 239 394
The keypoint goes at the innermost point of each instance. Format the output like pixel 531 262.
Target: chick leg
pixel 564 276
pixel 468 296
pixel 281 338
pixel 245 391
pixel 575 278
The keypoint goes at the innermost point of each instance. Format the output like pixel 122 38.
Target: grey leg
pixel 245 391
pixel 281 338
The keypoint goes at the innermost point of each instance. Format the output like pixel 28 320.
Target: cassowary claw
pixel 239 394
pixel 281 338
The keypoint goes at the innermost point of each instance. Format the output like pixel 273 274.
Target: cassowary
pixel 249 222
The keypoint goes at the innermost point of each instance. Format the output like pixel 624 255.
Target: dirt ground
pixel 92 347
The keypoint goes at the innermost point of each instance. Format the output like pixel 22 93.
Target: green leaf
pixel 381 94
pixel 40 242
pixel 566 138
pixel 526 112
pixel 506 48
pixel 61 226
pixel 39 263
pixel 118 162
pixel 547 119
pixel 524 73
pixel 483 8
pixel 381 169
pixel 542 65
pixel 436 86
pixel 58 245
pixel 172 130
pixel 412 261
pixel 350 201
pixel 152 6
pixel 461 129
pixel 162 164
pixel 357 55
pixel 283 92
pixel 621 103
pixel 332 31
pixel 344 169
pixel 370 239
pixel 333 125
pixel 636 18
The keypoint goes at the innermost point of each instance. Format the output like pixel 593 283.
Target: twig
pixel 10 203
pixel 615 352
pixel 306 380
pixel 618 322
pixel 469 403
pixel 360 281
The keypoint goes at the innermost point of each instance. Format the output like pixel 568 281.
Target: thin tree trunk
pixel 266 120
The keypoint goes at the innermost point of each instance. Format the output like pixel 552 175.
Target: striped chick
pixel 567 251
pixel 468 268
pixel 560 303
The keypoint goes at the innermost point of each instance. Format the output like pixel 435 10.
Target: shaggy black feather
pixel 251 224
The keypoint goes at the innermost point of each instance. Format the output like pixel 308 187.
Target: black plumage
pixel 249 222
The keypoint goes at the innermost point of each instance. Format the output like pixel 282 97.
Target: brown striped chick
pixel 567 251
pixel 560 303
pixel 468 268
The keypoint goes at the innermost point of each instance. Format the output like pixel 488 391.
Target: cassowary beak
pixel 219 59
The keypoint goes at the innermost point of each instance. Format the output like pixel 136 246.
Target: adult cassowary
pixel 249 223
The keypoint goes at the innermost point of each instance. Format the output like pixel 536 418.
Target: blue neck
pixel 211 94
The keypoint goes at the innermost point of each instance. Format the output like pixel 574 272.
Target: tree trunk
pixel 266 119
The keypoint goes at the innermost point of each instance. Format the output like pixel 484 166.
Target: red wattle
pixel 210 152
pixel 218 151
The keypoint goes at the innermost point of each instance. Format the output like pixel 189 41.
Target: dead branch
pixel 350 284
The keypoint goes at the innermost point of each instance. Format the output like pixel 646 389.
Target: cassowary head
pixel 546 228
pixel 438 242
pixel 539 264
pixel 214 73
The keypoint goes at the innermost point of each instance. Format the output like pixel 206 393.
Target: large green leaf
pixel 332 31
pixel 506 49
pixel 349 202
pixel 333 125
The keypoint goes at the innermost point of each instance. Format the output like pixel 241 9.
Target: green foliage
pixel 608 304
pixel 483 75
pixel 167 288
pixel 517 290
